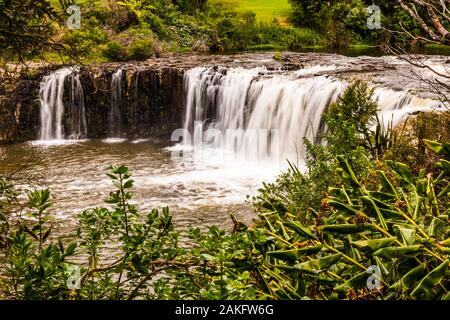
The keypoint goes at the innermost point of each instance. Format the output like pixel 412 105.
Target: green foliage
pixel 345 22
pixel 391 220
pixel 31 28
pixel 148 261
pixel 35 268
pixel 383 240
pixel 408 144
pixel 113 51
pixel 26 27
pixel 141 49
pixel 139 29
pixel 265 10
pixel 8 197
pixel 226 264
pixel 341 22
pixel 400 231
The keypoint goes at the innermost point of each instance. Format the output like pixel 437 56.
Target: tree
pixel 26 27
pixel 304 12
pixel 432 16
pixel 189 5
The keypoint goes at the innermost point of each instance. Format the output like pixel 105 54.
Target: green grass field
pixel 266 10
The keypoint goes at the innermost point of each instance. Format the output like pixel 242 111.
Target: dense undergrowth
pixel 359 223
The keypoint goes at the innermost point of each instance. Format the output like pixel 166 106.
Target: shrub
pixel 390 241
pixel 384 241
pixel 149 262
pixel 141 49
pixel 113 51
pixel 408 144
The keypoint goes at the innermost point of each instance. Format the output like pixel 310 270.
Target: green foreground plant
pixel 391 241
pixel 352 226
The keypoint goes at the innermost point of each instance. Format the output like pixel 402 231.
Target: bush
pixel 388 241
pixel 113 51
pixel 408 144
pixel 149 261
pixel 141 49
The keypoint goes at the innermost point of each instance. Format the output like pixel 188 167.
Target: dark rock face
pixel 154 100
pixel 151 104
pixel 19 105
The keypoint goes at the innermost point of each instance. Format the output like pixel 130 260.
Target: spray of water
pixel 62 106
pixel 114 117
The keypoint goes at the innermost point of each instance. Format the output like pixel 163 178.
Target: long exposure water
pixel 201 190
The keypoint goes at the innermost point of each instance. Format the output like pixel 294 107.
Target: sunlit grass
pixel 266 10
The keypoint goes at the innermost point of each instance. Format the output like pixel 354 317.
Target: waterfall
pixel 62 111
pixel 256 105
pixel 114 117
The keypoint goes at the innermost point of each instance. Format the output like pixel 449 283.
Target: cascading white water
pixel 251 101
pixel 62 113
pixel 114 117
pixel 395 105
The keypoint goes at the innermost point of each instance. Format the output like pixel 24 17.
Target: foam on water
pixel 114 140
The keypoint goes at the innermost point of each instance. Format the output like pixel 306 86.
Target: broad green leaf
pixel 294 254
pixel 373 245
pixel 434 145
pixel 300 229
pixel 286 255
pixel 398 252
pixel 387 184
pixel 388 213
pixel 348 170
pixel 445 243
pixel 409 278
pixel 405 235
pixel 70 249
pixel 437 227
pixel 128 184
pixel 373 208
pixel 342 207
pixel 444 165
pixel 445 250
pixel 430 280
pixel 357 282
pixel 317 265
pixel 402 170
pixel 344 228
pixel 382 196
